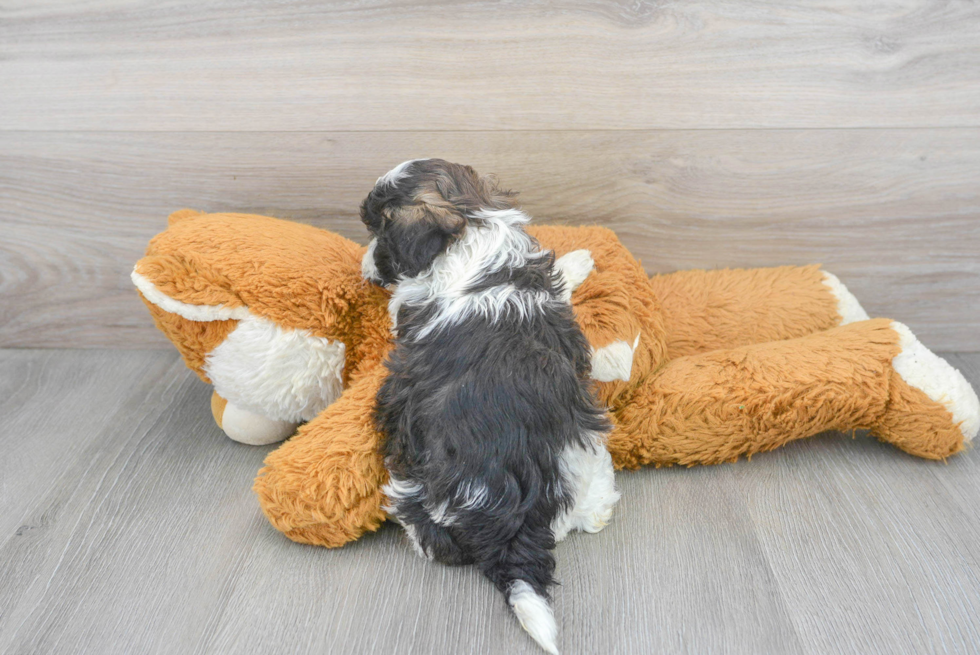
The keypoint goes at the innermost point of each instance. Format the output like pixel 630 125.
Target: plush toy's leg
pixel 247 427
pixel 717 406
pixel 323 486
pixel 932 410
pixel 708 310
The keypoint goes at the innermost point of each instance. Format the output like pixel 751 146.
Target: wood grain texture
pixel 438 65
pixel 49 411
pixel 871 552
pixel 127 525
pixel 894 213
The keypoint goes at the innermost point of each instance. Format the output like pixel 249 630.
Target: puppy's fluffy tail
pixel 523 570
pixel 534 613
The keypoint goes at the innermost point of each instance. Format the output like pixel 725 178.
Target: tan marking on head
pixel 446 192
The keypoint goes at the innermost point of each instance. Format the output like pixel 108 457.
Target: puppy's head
pixel 417 210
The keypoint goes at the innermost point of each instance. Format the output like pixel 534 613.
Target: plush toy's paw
pixel 848 307
pixel 245 427
pixel 932 409
pixel 574 267
pixel 925 370
pixel 323 486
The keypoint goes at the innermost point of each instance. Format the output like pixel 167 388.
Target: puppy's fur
pixel 495 446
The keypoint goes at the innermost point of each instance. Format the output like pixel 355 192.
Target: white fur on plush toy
pixel 848 307
pixel 281 373
pixel 925 370
pixel 611 362
pixel 574 267
pixel 273 377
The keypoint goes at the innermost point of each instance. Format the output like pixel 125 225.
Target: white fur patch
pixel 535 615
pixel 614 362
pixel 397 489
pixel 253 429
pixel 574 268
pixel 500 241
pixel 848 307
pixel 591 474
pixel 474 496
pixel 369 270
pixel 396 174
pixel 469 496
pixel 413 538
pixel 200 313
pixel 265 371
pixel 281 373
pixel 440 514
pixel 923 369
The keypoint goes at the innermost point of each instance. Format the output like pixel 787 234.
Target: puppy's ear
pixel 422 231
pixel 467 189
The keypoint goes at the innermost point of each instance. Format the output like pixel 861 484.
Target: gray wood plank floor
pixel 127 525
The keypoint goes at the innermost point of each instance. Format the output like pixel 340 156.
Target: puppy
pixel 495 446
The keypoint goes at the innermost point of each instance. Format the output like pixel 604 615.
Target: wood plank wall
pixel 707 133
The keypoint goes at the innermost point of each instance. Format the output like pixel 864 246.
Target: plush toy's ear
pixel 181 215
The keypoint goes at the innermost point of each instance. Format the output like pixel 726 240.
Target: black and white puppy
pixel 495 446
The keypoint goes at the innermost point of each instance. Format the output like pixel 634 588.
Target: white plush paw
pixel 245 427
pixel 284 373
pixel 574 268
pixel 614 362
pixel 848 307
pixel 924 370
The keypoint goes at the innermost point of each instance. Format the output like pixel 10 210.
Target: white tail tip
pixel 535 615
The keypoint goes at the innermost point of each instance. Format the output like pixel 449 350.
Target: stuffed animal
pixel 696 367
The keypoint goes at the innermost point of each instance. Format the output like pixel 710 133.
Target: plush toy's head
pixel 250 302
pixel 278 317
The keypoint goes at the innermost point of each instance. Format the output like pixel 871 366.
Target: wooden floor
pixel 127 525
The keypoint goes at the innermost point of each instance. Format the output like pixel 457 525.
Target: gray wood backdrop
pixel 707 133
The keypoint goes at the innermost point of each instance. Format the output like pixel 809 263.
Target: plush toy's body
pixel 697 367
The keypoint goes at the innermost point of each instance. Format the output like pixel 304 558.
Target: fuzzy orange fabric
pixel 717 406
pixel 728 363
pixel 708 310
pixel 323 486
pixel 291 274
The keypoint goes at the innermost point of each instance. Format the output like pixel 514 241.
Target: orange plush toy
pixel 696 367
